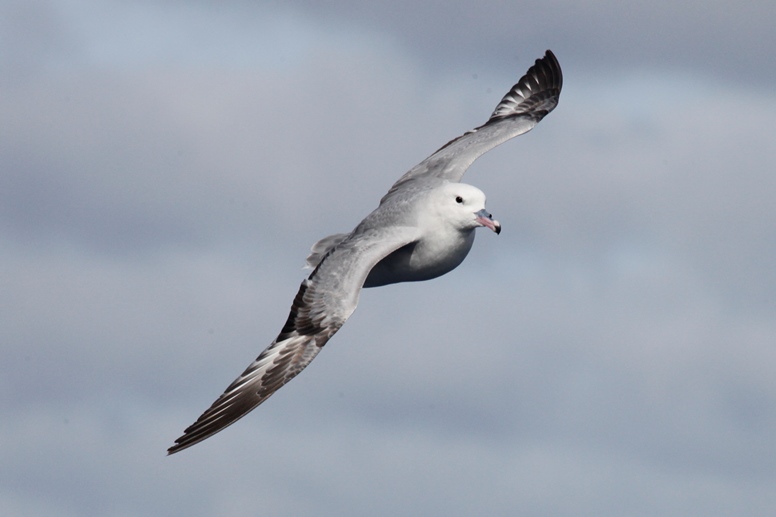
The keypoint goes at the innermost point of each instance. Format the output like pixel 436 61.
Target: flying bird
pixel 423 228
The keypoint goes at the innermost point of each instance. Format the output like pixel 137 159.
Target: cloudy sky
pixel 165 166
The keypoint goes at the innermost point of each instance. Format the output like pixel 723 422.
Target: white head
pixel 464 206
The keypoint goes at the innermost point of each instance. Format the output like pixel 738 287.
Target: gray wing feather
pixel 322 247
pixel 527 103
pixel 325 300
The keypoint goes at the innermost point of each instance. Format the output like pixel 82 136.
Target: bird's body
pixel 422 229
pixel 439 249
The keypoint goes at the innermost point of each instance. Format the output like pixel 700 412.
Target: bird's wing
pixel 324 302
pixel 322 247
pixel 528 102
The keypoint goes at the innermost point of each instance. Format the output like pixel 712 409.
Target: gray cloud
pixel 710 38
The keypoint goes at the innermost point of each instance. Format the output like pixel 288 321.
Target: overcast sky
pixel 165 167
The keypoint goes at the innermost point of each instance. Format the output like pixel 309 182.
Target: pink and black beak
pixel 486 219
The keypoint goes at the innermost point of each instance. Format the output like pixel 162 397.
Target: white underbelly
pixel 421 261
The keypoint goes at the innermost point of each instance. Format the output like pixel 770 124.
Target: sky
pixel 165 167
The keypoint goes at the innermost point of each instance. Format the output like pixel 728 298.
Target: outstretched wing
pixel 324 302
pixel 528 102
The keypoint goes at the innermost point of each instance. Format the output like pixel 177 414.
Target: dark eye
pixel 458 199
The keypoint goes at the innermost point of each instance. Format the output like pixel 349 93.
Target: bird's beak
pixel 486 219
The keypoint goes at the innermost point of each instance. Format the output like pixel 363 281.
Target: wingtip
pixel 536 93
pixel 178 446
pixel 547 69
pixel 194 434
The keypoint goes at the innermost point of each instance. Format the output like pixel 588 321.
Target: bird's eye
pixel 458 199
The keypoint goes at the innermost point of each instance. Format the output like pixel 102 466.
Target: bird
pixel 423 228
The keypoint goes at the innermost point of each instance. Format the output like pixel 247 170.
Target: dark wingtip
pixel 535 94
pixel 546 72
pixel 553 66
pixel 179 446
